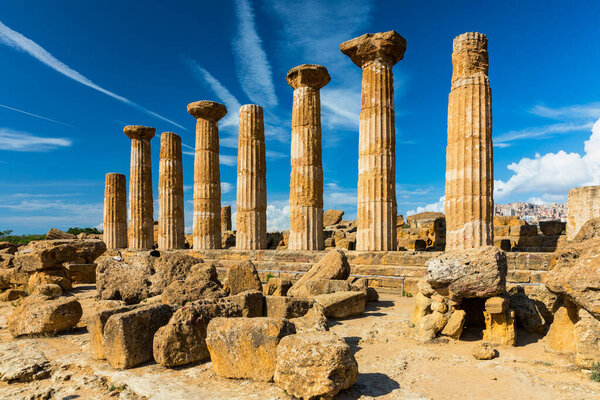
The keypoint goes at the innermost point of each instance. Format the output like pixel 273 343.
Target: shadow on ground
pixel 371 384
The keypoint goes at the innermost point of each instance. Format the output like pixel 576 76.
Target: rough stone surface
pixel 342 304
pixel 583 205
pixel 277 287
pixel 561 334
pixel 332 217
pixel 455 324
pixel 183 339
pixel 469 204
pixel 41 315
pixel 241 277
pixel 170 193
pixel 589 230
pixel 251 303
pixel 313 321
pixel 246 348
pixel 316 287
pixel 496 305
pixel 429 326
pixel 128 336
pixel 114 232
pixel 421 308
pixel 54 233
pixel 286 307
pixel 314 365
pixel 483 351
pixel 60 277
pixel 479 272
pixel 193 288
pixel 587 339
pixel 22 364
pixel 500 328
pixel 334 265
pixel 527 312
pixel 96 323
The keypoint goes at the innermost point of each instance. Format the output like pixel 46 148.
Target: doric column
pixel 170 193
pixel 251 220
pixel 207 179
pixel 376 54
pixel 306 179
pixel 225 218
pixel 469 158
pixel 141 210
pixel 115 212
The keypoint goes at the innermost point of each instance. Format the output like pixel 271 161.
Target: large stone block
pixel 95 326
pixel 277 287
pixel 561 334
pixel 315 287
pixel 193 288
pixel 242 277
pixel 332 217
pixel 587 340
pixel 313 321
pixel 246 348
pixel 39 314
pixel 128 336
pixel 334 265
pixel 342 304
pixel 500 328
pixel 251 302
pixel 286 307
pixel 315 365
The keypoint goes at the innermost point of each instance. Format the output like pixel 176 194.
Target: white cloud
pixel 21 43
pixel 540 132
pixel 34 115
pixel 22 141
pixel 438 206
pixel 341 107
pixel 226 187
pixel 552 175
pixel 585 111
pixel 278 216
pixel 230 161
pixel 253 68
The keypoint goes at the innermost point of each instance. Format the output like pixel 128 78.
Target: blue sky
pixel 74 73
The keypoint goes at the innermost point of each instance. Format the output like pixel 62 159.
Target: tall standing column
pixel 376 54
pixel 469 157
pixel 207 179
pixel 114 233
pixel 141 210
pixel 170 193
pixel 251 220
pixel 306 179
pixel 225 218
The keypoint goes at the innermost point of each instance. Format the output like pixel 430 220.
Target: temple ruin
pixel 170 193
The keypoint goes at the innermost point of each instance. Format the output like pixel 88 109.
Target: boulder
pixel 332 217
pixel 183 339
pixel 39 314
pixel 54 233
pixel 128 336
pixel 251 302
pixel 193 288
pixel 48 290
pixel 455 324
pixel 314 365
pixel 527 312
pixel 483 351
pixel 479 272
pixel 30 260
pixel 286 307
pixel 13 294
pixel 8 248
pixel 587 340
pixel 315 287
pixel 58 277
pixel 313 321
pixel 85 251
pixel 429 326
pixel 246 348
pixel 561 334
pixel 277 287
pixel 575 273
pixel 342 304
pixel 206 271
pixel 96 323
pixel 334 265
pixel 422 307
pixel 242 277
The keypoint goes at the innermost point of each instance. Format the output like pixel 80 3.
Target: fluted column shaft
pixel 141 209
pixel 225 218
pixel 469 155
pixel 251 220
pixel 115 212
pixel 170 193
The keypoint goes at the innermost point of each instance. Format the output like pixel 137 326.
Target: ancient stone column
pixel 306 179
pixel 376 54
pixel 207 179
pixel 225 218
pixel 170 193
pixel 469 159
pixel 115 212
pixel 141 230
pixel 584 204
pixel 251 220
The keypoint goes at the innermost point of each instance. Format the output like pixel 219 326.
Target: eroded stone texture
pixel 251 222
pixel 469 202
pixel 207 178
pixel 306 179
pixel 141 210
pixel 225 218
pixel 376 54
pixel 170 193
pixel 584 204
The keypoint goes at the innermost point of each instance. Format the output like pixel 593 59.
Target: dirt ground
pixel 392 366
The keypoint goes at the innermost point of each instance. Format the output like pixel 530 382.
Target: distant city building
pixel 533 213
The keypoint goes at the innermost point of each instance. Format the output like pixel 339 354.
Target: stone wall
pixel 584 204
pixel 514 234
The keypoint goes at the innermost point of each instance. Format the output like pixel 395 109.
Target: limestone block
pixel 180 292
pixel 332 217
pixel 334 265
pixel 316 287
pixel 429 326
pixel 251 302
pixel 583 205
pixel 313 321
pixel 483 351
pixel 39 314
pixel 455 324
pixel 561 334
pixel 342 304
pixel 496 305
pixel 241 277
pixel 500 328
pixel 95 326
pixel 422 308
pixel 587 339
pixel 286 307
pixel 277 287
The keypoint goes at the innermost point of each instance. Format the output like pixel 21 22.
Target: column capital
pixel 310 75
pixel 139 132
pixel 205 109
pixel 388 47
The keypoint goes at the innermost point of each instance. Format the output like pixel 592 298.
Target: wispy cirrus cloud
pixel 577 111
pixel 253 68
pixel 505 139
pixel 34 115
pixel 19 42
pixel 12 140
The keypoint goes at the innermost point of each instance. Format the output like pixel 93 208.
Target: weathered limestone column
pixel 170 193
pixel 469 158
pixel 376 54
pixel 225 218
pixel 115 212
pixel 584 204
pixel 207 179
pixel 306 179
pixel 141 210
pixel 251 220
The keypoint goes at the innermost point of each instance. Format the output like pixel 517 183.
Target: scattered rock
pixel 277 287
pixel 587 340
pixel 315 365
pixel 58 234
pixel 242 277
pixel 246 348
pixel 421 308
pixel 429 326
pixel 286 307
pixel 251 303
pixel 193 288
pixel 342 304
pixel 128 336
pixel 334 265
pixel 95 325
pixel 206 271
pixel 48 290
pixel 13 294
pixel 483 351
pixel 39 315
pixel 58 277
pixel 455 324
pixel 313 321
pixel 332 217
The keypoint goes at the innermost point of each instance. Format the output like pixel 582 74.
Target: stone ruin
pixel 179 300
